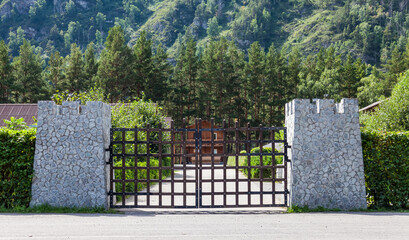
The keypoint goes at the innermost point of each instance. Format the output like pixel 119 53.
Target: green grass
pixel 306 209
pixel 49 209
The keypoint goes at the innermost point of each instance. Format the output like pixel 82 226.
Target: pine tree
pixel 275 70
pixel 6 73
pixel 160 75
pixel 29 85
pixel 115 73
pixel 184 84
pixel 294 68
pixel 255 82
pixel 74 72
pixel 207 90
pixel 55 71
pixel 310 73
pixel 143 66
pixel 237 101
pixel 91 65
pixel 349 79
pixel 223 80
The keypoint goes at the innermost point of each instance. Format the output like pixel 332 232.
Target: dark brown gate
pixel 198 166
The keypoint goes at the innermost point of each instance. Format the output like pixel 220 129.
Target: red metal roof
pixel 26 111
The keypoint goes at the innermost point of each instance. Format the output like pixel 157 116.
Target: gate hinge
pixel 288 160
pixel 288 146
pixel 109 193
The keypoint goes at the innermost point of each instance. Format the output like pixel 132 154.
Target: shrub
pixel 255 161
pixel 386 163
pixel 141 174
pixel 16 166
pixel 393 114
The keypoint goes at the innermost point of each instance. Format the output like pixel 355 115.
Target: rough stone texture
pixel 326 153
pixel 70 158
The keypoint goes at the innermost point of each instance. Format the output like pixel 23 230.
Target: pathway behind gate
pixel 206 187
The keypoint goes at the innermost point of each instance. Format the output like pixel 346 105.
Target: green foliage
pixel 306 209
pixel 16 166
pixel 29 85
pixel 393 114
pixel 74 70
pixel 386 165
pixel 93 94
pixel 6 74
pixel 255 161
pixel 15 124
pixel 49 209
pixel 213 29
pixel 138 114
pixel 114 71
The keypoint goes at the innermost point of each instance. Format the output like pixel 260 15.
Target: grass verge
pixel 306 209
pixel 49 209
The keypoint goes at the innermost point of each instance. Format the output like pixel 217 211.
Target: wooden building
pixel 206 147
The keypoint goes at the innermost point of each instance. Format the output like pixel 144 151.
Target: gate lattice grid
pixel 158 168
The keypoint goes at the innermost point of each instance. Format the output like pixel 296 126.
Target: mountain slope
pixel 366 28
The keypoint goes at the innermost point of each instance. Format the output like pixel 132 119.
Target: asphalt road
pixel 212 224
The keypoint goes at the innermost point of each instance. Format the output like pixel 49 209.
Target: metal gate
pixel 198 166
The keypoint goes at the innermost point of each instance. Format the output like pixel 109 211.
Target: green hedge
pixel 386 162
pixel 255 161
pixel 16 166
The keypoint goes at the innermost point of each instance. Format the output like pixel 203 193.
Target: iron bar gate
pixel 198 166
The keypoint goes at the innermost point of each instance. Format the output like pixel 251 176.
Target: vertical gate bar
pixel 261 172
pixel 200 164
pixel 196 162
pixel 248 146
pixel 172 162
pixel 111 172
pixel 212 177
pixel 285 160
pixel 123 167
pixel 184 159
pixel 136 167
pixel 273 165
pixel 148 165
pixel 224 163
pixel 160 163
pixel 237 161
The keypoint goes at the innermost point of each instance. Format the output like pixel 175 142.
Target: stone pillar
pixel 70 159
pixel 326 153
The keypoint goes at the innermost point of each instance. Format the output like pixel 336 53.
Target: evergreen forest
pixel 233 60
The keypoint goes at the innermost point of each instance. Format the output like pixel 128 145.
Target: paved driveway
pixel 207 188
pixel 206 225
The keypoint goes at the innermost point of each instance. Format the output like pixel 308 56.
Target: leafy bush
pixel 15 124
pixel 393 114
pixel 138 114
pixel 386 162
pixel 141 174
pixel 16 166
pixel 93 94
pixel 255 161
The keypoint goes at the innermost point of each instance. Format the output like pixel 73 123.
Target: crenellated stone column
pixel 70 157
pixel 326 153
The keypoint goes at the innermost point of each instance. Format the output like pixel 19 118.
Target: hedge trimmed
pixel 386 162
pixel 255 161
pixel 16 166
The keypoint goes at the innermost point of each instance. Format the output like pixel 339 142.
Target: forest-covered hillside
pixel 217 58
pixel 367 29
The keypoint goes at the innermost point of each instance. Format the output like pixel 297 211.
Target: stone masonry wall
pixel 70 157
pixel 326 154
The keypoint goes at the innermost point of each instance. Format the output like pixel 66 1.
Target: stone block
pixel 64 172
pixel 326 154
